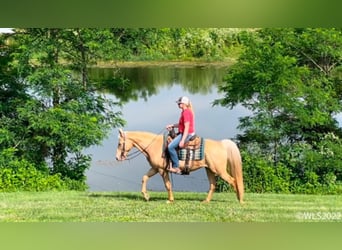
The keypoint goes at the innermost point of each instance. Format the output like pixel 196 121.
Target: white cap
pixel 183 99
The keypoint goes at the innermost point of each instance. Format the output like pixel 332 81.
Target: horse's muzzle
pixel 120 157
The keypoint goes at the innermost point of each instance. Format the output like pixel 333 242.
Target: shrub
pixel 20 175
pixel 262 177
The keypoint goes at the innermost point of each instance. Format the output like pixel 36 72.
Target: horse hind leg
pixel 237 185
pixel 168 186
pixel 212 185
pixel 235 169
pixel 226 177
pixel 229 179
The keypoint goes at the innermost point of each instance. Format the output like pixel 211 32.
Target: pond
pixel 149 106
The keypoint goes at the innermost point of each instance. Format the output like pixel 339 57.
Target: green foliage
pixel 20 175
pixel 289 80
pixel 221 185
pixel 261 176
pixel 301 168
pixel 50 111
pixel 173 43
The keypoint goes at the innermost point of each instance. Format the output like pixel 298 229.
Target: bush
pixel 21 175
pixel 260 176
pixel 296 173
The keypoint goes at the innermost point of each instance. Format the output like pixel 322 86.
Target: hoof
pixel 169 202
pixel 146 196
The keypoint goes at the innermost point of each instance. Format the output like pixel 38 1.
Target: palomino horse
pixel 219 157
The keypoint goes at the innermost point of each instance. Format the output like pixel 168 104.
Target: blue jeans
pixel 172 149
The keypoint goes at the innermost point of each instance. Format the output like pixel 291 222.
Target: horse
pixel 221 158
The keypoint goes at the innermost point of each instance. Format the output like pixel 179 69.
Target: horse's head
pixel 124 146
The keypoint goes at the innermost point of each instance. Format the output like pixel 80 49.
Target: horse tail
pixel 235 166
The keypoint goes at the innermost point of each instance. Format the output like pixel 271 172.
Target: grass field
pixel 130 207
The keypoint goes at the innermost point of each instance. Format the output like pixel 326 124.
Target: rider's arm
pixel 170 126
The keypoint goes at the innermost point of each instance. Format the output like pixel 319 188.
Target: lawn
pixel 130 207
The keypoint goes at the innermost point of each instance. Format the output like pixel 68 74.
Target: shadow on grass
pixel 154 196
pixel 123 196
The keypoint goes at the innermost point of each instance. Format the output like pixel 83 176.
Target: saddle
pixel 193 150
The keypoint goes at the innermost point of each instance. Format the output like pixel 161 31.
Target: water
pixel 150 107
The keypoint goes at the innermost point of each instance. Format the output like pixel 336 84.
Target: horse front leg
pixel 151 172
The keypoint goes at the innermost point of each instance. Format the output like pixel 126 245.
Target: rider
pixel 186 129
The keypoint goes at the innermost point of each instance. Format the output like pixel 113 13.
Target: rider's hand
pixel 169 127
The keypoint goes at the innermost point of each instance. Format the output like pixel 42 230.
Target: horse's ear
pixel 121 133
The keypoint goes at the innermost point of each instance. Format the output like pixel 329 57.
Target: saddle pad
pixel 194 154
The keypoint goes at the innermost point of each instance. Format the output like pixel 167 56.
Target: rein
pixel 135 154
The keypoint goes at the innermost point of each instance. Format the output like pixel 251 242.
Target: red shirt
pixel 186 116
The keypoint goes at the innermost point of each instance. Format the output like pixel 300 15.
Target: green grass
pixel 130 207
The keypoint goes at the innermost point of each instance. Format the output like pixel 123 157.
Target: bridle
pixel 124 151
pixel 136 153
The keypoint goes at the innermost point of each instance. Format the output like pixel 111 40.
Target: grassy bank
pixel 170 63
pixel 129 206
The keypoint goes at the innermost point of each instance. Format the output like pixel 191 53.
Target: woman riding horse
pixel 222 158
pixel 186 130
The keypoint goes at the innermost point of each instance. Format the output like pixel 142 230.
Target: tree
pixel 286 78
pixel 12 95
pixel 63 113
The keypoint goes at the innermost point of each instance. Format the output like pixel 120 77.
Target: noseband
pixel 123 151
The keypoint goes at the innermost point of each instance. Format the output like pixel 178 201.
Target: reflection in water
pixel 150 105
pixel 129 84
